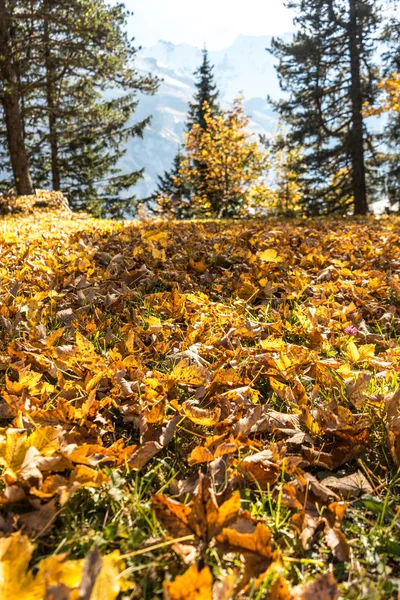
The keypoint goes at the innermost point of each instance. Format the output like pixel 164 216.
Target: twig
pixel 185 538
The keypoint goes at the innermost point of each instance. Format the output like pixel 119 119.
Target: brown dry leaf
pixel 307 524
pixel 260 469
pixel 40 521
pixel 323 588
pixel 140 455
pixel 223 590
pixel 207 518
pixel 90 572
pixel 192 585
pixel 203 516
pixel 172 514
pixel 338 544
pixel 392 405
pixel 58 592
pixel 351 486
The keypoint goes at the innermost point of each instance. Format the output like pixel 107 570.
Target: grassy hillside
pixel 210 404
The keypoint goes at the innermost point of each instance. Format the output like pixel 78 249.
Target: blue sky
pixel 215 23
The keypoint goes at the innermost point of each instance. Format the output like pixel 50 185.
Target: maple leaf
pixel 203 516
pixel 24 456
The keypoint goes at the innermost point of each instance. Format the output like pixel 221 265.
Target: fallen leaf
pixel 323 588
pixel 194 584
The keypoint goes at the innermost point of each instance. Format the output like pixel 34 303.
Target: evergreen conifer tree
pixel 78 92
pixel 172 192
pixel 206 94
pixel 205 99
pixel 328 72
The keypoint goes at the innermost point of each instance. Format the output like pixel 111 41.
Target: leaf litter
pixel 263 354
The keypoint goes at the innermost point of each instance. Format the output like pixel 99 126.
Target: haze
pixel 215 23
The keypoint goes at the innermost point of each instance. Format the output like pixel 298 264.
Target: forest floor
pixel 198 410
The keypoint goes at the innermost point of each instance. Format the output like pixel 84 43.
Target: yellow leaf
pixel 269 255
pixel 190 375
pixel 156 236
pixel 19 583
pixel 108 583
pixel 16 582
pixel 200 416
pixel 352 352
pixel 272 344
pixel 360 354
pixel 200 267
pixel 192 585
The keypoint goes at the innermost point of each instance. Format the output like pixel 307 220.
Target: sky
pixel 215 23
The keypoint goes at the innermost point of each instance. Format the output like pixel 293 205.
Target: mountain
pixel 245 68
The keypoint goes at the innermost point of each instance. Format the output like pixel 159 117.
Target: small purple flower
pixel 351 330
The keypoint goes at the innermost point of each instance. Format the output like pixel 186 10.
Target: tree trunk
pixel 51 108
pixel 357 129
pixel 11 106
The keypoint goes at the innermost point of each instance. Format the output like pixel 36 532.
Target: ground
pixel 212 405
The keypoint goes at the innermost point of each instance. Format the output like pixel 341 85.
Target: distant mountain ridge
pixel 245 68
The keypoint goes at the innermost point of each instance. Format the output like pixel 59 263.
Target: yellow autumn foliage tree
pixel 390 102
pixel 222 169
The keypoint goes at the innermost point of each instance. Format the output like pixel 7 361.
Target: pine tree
pixel 172 192
pixel 328 71
pixel 206 95
pixel 79 92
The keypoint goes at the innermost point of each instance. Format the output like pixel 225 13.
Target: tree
pixel 232 166
pixel 170 186
pixel 284 197
pixel 389 104
pixel 173 194
pixel 329 73
pixel 206 95
pixel 78 88
pixel 390 101
pixel 10 102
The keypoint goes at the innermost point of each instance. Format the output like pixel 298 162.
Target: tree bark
pixel 11 106
pixel 357 129
pixel 51 108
